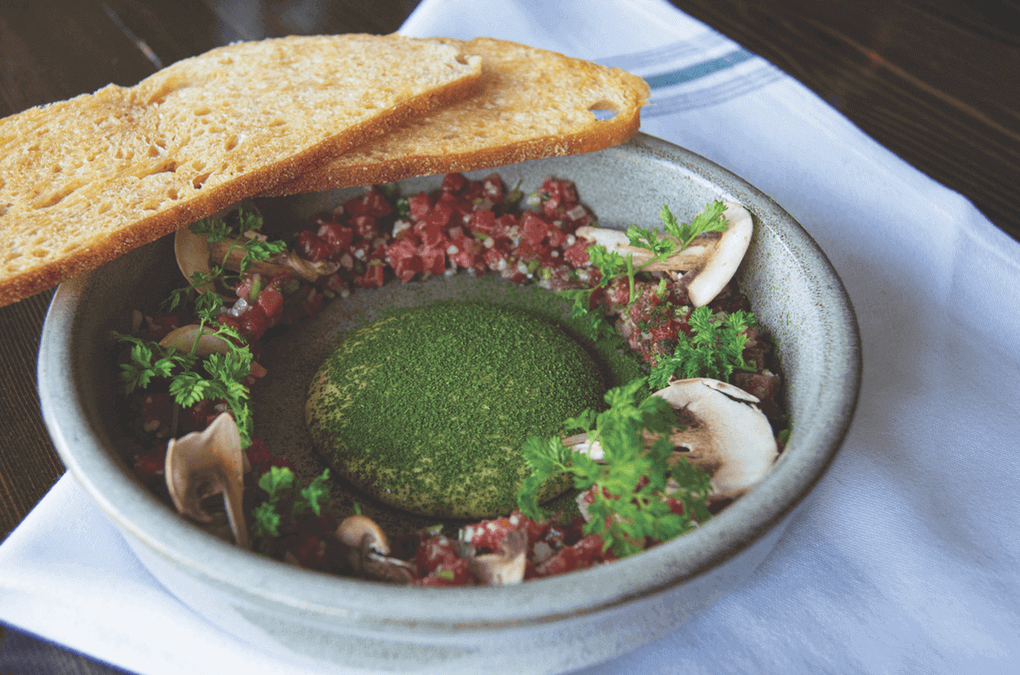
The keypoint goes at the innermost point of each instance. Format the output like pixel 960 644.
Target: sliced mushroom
pixel 206 463
pixel 727 435
pixel 709 262
pixel 367 550
pixel 194 252
pixel 506 566
pixel 183 339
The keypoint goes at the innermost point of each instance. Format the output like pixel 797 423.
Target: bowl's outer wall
pixel 793 290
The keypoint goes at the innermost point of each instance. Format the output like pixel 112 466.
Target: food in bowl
pixel 630 494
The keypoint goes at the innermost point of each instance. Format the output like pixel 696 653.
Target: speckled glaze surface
pixel 566 622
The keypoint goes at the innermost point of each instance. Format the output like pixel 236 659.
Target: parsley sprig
pixel 285 499
pixel 629 504
pixel 673 238
pixel 715 348
pixel 217 230
pixel 221 375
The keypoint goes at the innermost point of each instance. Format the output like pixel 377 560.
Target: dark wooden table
pixel 935 81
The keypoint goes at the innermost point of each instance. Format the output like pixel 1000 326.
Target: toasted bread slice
pixel 85 180
pixel 529 103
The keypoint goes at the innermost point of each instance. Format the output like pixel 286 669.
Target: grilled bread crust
pixel 530 103
pixel 85 180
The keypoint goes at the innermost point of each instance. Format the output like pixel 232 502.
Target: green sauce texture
pixel 427 409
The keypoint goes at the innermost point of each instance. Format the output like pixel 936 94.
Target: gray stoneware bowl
pixel 547 625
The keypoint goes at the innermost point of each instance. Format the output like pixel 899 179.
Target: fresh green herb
pixel 709 220
pixel 714 349
pixel 673 238
pixel 629 504
pixel 218 230
pixel 448 575
pixel 285 498
pixel 221 376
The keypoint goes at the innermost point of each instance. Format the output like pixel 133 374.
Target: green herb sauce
pixel 427 409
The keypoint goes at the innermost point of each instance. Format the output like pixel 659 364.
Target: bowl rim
pixel 373 605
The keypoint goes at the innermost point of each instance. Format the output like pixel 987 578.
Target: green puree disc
pixel 427 409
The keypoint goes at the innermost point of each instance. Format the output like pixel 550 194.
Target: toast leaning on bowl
pixel 86 180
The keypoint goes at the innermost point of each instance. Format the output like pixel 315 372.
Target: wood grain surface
pixel 935 81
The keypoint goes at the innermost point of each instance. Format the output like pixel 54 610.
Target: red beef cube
pixel 337 236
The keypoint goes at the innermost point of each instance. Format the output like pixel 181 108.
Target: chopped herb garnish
pixel 221 376
pixel 629 504
pixel 715 348
pixel 285 498
pixel 673 238
pixel 218 230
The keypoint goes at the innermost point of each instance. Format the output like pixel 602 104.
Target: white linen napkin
pixel 907 560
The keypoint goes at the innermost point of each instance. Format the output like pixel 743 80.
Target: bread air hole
pixel 166 166
pixel 231 143
pixel 604 110
pixel 201 178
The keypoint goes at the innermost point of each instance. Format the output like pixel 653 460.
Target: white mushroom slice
pixel 728 436
pixel 367 550
pixel 710 261
pixel 193 253
pixel 183 339
pixel 205 463
pixel 506 566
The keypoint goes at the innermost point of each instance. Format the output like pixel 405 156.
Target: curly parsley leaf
pixel 629 504
pixel 673 238
pixel 267 520
pixel 715 348
pixel 240 236
pixel 315 496
pixel 286 498
pixel 223 377
pixel 709 220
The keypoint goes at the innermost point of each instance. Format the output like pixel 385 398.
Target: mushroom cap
pixel 730 437
pixel 357 531
pixel 367 550
pixel 205 463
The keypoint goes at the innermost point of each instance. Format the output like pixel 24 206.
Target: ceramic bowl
pixel 546 625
